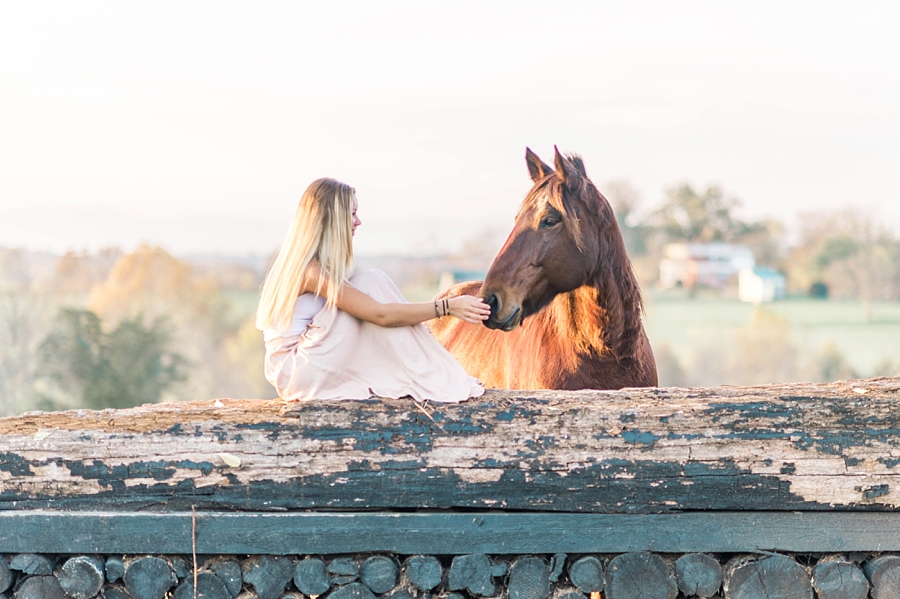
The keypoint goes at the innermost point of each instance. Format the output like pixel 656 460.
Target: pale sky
pixel 197 125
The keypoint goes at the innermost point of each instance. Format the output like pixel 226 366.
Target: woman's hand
pixel 469 308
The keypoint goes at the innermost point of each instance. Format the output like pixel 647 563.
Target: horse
pixel 565 303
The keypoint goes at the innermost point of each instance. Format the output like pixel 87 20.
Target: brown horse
pixel 565 304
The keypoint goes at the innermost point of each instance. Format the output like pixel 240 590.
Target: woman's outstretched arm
pixel 353 301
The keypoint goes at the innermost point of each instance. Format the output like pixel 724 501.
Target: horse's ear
pixel 536 167
pixel 565 170
pixel 579 164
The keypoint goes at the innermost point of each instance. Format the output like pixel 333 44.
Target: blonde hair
pixel 322 231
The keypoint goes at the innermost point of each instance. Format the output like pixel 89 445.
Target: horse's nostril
pixel 494 303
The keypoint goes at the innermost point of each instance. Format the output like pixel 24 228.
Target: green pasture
pixel 685 324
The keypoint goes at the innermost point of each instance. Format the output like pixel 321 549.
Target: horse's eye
pixel 549 221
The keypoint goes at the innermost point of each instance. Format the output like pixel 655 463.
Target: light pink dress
pixel 342 357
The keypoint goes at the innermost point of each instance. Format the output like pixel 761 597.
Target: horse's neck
pixel 603 317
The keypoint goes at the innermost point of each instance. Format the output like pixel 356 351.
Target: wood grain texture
pixel 445 534
pixel 777 447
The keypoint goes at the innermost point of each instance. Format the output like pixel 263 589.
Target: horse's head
pixel 556 245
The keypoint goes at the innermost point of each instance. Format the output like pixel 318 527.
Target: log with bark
pixel 776 447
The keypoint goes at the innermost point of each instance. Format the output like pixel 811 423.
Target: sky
pixel 197 125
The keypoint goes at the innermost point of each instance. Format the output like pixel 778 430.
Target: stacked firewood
pixel 640 575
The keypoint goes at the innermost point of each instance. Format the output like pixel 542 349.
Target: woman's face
pixel 355 222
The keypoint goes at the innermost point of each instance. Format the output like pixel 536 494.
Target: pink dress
pixel 339 356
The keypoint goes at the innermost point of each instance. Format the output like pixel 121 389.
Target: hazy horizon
pixel 197 126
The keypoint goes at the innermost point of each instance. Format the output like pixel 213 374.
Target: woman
pixel 332 337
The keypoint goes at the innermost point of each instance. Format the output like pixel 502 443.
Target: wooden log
pixel 40 587
pixel 343 566
pixel 6 576
pixel 180 566
pixel 311 576
pixel 229 572
pixel 379 573
pixel 774 447
pixel 208 587
pixel 529 578
pixel 884 574
pixel 586 573
pixel 837 578
pixel 557 563
pixel 115 568
pixel 114 592
pixel 148 577
pixel 472 573
pixel 773 577
pixel 698 574
pixel 81 577
pixel 639 576
pixel 269 575
pixel 354 590
pixel 424 571
pixel 31 564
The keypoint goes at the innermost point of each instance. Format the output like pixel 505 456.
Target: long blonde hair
pixel 321 231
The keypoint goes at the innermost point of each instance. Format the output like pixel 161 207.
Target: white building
pixel 705 264
pixel 761 284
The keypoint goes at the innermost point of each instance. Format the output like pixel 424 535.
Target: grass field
pixel 686 324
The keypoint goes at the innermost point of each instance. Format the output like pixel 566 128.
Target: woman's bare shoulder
pixel 311 277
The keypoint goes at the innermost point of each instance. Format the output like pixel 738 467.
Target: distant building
pixel 703 264
pixel 760 284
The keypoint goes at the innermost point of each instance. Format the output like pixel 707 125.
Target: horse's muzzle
pixel 506 325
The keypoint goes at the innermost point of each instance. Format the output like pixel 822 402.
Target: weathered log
pixel 114 592
pixel 557 563
pixel 311 576
pixel 884 574
pixel 379 573
pixel 529 578
pixel 32 564
pixel 40 587
pixel 115 568
pixel 837 578
pixel 181 567
pixel 354 590
pixel 776 447
pixel 269 575
pixel 343 566
pixel 229 572
pixel 638 576
pixel 208 587
pixel 81 577
pixel 586 573
pixel 6 576
pixel 698 574
pixel 774 577
pixel 148 577
pixel 472 573
pixel 424 571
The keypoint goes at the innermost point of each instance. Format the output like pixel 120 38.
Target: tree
pixel 131 365
pixel 848 253
pixel 702 218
